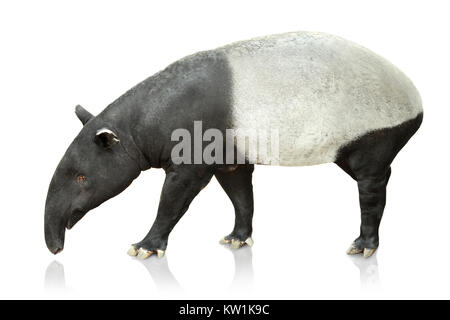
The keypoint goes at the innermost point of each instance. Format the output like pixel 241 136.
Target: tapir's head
pixel 95 168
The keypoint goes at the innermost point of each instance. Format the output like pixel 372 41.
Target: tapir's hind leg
pixel 372 199
pixel 368 161
pixel 372 178
pixel 237 183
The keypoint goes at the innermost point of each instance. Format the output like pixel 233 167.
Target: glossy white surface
pixel 55 55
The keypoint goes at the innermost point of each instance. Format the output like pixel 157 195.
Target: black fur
pixel 237 183
pixel 368 161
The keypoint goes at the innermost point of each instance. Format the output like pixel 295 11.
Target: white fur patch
pixel 319 91
pixel 104 130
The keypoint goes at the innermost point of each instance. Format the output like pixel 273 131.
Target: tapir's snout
pixel 55 222
pixel 54 240
pixel 55 247
pixel 55 227
pixel 54 237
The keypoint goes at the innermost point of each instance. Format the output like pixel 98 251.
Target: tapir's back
pixel 319 91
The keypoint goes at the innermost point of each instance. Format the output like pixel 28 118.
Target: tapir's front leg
pixel 181 186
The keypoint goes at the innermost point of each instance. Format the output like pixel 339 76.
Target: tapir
pixel 330 101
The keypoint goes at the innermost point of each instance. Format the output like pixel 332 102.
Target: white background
pixel 56 54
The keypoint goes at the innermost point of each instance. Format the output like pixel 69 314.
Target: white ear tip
pixel 104 130
pixel 107 136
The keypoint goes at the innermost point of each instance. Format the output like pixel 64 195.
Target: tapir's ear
pixel 106 138
pixel 83 114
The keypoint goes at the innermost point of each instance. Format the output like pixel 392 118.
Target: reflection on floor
pixel 160 273
pixel 368 271
pixel 243 269
pixel 54 276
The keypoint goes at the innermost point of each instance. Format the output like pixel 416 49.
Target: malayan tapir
pixel 329 100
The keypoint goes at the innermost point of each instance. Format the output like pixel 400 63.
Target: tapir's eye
pixel 81 179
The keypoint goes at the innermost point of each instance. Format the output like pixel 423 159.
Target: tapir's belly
pixel 316 92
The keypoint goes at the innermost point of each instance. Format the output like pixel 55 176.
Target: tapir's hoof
pixel 143 254
pixel 236 244
pixel 160 253
pixel 366 251
pixel 133 252
pixel 353 250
